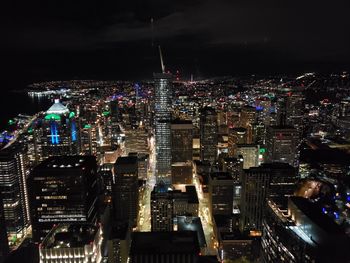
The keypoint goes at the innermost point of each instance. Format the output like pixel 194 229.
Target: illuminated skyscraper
pixel 162 208
pixel 221 187
pixel 125 190
pixel 59 132
pixel 182 140
pixel 162 119
pixel 4 248
pixel 13 186
pixel 236 136
pixel 270 180
pixel 282 143
pixel 247 118
pixel 208 134
pixel 63 190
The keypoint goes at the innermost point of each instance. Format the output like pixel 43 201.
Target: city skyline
pixel 205 131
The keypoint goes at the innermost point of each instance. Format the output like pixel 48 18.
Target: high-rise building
pixel 221 192
pixel 88 139
pixel 125 190
pixel 181 173
pixel 71 243
pixel 250 154
pixel 63 190
pixel 136 140
pixel 236 136
pixel 114 108
pixel 281 144
pixel 58 132
pixel 295 110
pixel 162 209
pixel 162 122
pixel 301 232
pixel 283 178
pixel 255 185
pixel 181 141
pixel 270 180
pixel 208 134
pixel 13 186
pixel 4 248
pixel 174 247
pixel 166 204
pixel 247 118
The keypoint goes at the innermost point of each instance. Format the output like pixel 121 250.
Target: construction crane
pixel 161 60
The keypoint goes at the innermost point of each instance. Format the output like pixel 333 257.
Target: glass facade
pixel 162 114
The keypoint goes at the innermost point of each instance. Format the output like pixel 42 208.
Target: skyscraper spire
pixel 161 59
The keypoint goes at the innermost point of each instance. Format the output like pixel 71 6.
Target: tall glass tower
pixel 162 119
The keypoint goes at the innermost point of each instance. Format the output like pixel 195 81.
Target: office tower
pixel 181 173
pixel 136 140
pixel 236 136
pixel 208 134
pixel 281 144
pixel 270 180
pixel 88 139
pixel 4 248
pixel 301 232
pixel 174 247
pixel 181 141
pixel 263 110
pixel 185 203
pixel 344 110
pixel 234 166
pixel 250 154
pixel 259 133
pixel 255 185
pixel 106 173
pixel 247 118
pixel 119 244
pixel 114 109
pixel 13 187
pixel 235 246
pixel 142 164
pixel 63 190
pixel 71 243
pixel 295 110
pixel 221 187
pixel 162 119
pixel 59 132
pixel 162 208
pixel 125 190
pixel 283 178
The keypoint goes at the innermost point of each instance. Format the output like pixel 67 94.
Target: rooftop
pixel 67 162
pixel 221 176
pixel 57 108
pixel 126 160
pixel 175 242
pixel 70 236
pixel 187 223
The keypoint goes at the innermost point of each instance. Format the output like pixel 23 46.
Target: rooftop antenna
pixel 161 59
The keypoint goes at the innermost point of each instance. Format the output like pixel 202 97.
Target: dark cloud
pixel 219 31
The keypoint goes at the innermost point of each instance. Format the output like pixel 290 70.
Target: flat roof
pixel 174 242
pixel 70 236
pixel 192 194
pixel 221 176
pixel 67 162
pixel 122 160
pixel 188 223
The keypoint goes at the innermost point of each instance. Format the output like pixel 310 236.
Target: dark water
pixel 13 103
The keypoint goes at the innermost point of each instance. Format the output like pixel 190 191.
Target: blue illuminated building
pixel 59 132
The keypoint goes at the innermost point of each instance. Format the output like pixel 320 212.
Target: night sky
pixel 100 39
